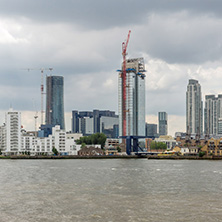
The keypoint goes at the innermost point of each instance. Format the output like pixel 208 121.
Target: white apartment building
pixel 59 137
pixel 12 132
pixel 73 136
pixel 28 143
pixel 3 137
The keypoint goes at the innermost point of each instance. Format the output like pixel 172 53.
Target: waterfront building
pixel 163 126
pixel 182 150
pixel 168 140
pixel 212 115
pixel 183 141
pixel 194 108
pixel 73 136
pixel 220 126
pixel 151 130
pixel 112 142
pixel 55 101
pixel 13 132
pixel 213 147
pixel 90 151
pixel 3 137
pixel 28 142
pixel 135 98
pixel 43 145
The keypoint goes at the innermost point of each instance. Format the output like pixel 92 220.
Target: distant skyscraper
pixel 163 126
pixel 75 121
pixel 212 114
pixel 135 98
pixel 194 108
pixel 55 101
pixel 96 121
pixel 151 130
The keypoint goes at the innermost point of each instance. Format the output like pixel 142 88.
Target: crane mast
pixel 124 53
pixel 42 90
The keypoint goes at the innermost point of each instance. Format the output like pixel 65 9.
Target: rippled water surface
pixel 110 190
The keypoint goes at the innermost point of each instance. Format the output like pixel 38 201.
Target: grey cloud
pixel 100 14
pixel 179 38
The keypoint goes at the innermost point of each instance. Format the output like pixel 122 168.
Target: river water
pixel 110 190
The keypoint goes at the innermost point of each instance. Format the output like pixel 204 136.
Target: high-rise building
pixel 75 121
pixel 194 108
pixel 96 121
pixel 151 130
pixel 163 126
pixel 13 132
pixel 55 101
pixel 212 114
pixel 135 99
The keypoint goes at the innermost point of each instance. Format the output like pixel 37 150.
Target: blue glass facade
pixel 55 101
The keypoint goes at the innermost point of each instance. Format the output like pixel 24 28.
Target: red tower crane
pixel 42 88
pixel 124 48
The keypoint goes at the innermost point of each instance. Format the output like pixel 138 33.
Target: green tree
pixel 83 145
pixel 118 149
pixel 158 146
pixel 55 151
pixel 97 138
pixel 201 153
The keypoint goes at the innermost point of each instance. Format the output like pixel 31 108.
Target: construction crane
pixel 35 116
pixel 124 53
pixel 42 88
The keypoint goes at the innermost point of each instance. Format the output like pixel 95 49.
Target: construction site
pixel 131 91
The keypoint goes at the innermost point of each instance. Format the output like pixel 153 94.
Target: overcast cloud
pixel 82 40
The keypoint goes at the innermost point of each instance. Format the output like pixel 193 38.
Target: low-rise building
pixel 213 147
pixel 90 151
pixel 168 140
pixel 112 142
pixel 111 151
pixel 186 150
pixel 74 136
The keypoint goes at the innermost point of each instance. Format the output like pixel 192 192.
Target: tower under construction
pixel 132 105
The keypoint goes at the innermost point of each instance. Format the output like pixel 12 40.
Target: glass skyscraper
pixel 194 108
pixel 212 114
pixel 55 101
pixel 135 102
pixel 163 126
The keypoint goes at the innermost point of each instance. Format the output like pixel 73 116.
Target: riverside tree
pixel 158 145
pixel 55 151
pixel 97 138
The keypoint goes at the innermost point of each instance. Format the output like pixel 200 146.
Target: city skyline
pixel 178 40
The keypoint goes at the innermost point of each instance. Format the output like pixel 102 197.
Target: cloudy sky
pixel 81 40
